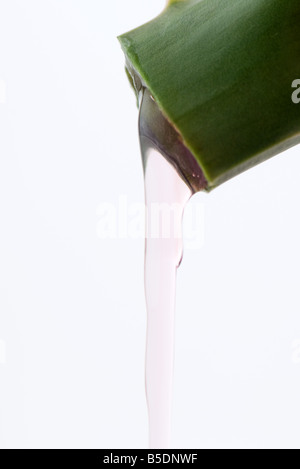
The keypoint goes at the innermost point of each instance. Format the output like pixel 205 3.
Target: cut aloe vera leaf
pixel 221 72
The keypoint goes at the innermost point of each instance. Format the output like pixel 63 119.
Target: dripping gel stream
pixel 167 191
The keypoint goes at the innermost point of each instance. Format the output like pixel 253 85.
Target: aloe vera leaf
pixel 221 72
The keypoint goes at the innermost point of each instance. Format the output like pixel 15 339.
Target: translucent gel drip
pixel 168 187
pixel 163 255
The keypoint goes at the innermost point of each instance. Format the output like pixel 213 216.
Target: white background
pixel 72 314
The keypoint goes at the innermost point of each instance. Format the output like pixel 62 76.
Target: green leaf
pixel 221 71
